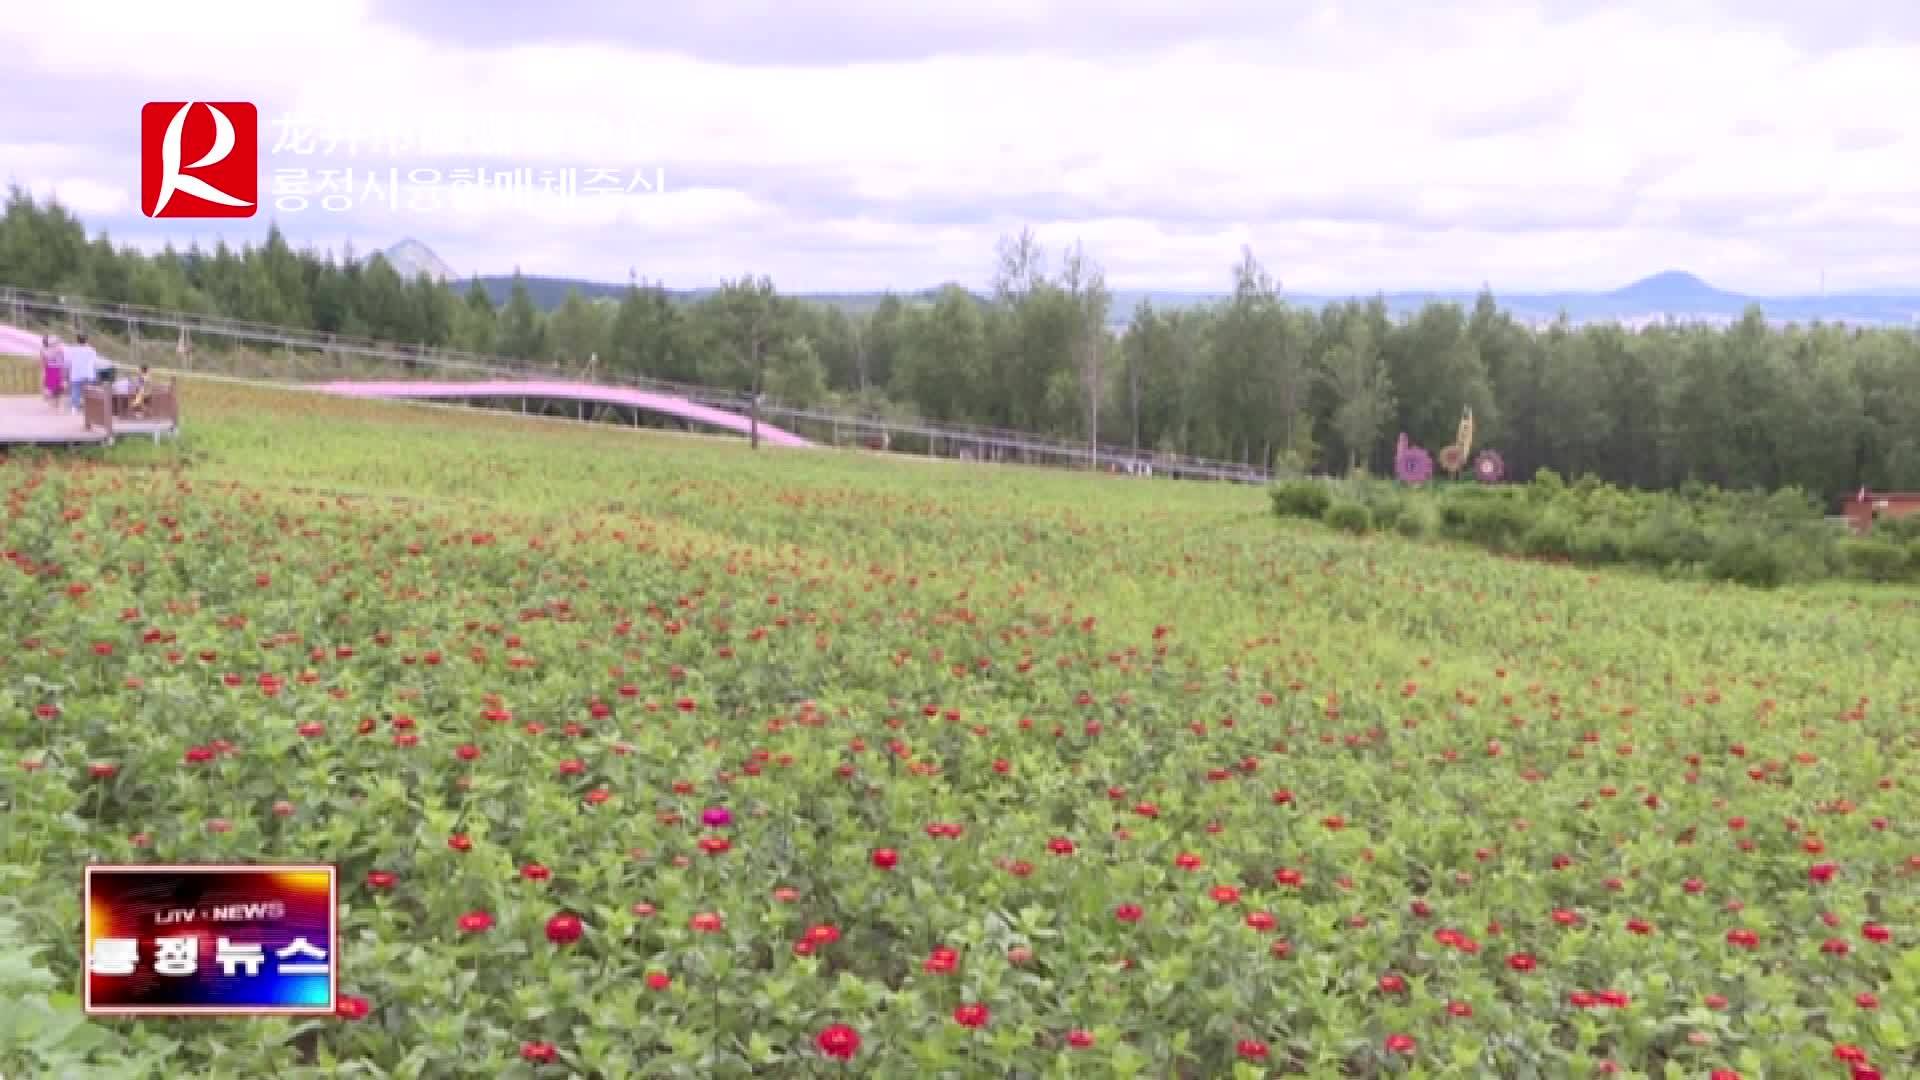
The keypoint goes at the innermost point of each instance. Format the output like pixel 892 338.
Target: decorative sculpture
pixel 1489 467
pixel 1411 464
pixel 1453 457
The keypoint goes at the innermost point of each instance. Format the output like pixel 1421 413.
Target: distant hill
pixel 548 293
pixel 411 258
pixel 1671 294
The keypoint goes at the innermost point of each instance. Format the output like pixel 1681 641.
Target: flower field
pixel 643 756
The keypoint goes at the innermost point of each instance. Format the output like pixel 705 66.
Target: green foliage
pixel 43 1031
pixel 1877 559
pixel 1301 498
pixel 1367 744
pixel 1760 539
pixel 1349 516
pixel 1250 379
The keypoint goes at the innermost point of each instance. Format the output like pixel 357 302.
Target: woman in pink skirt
pixel 53 370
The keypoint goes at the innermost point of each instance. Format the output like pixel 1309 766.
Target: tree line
pixel 1251 378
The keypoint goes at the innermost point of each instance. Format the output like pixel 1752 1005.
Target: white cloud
pixel 88 198
pixel 1656 119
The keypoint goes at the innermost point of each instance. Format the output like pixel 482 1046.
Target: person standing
pixel 53 370
pixel 83 367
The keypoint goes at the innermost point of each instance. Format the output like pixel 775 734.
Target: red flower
pixel 1400 1044
pixel 459 842
pixel 1079 1038
pixel 941 961
pixel 706 923
pixel 1392 984
pixel 540 1053
pixel 886 858
pixel 473 922
pixel 1521 962
pixel 1060 845
pixel 658 980
pixel 350 1007
pixel 838 1041
pixel 564 929
pixel 533 871
pixel 1821 873
pixel 1251 1049
pixel 1128 913
pixel 823 934
pixel 1745 939
pixel 1225 894
pixel 1876 932
pixel 972 1015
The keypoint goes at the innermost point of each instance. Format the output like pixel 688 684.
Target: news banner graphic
pixel 199 159
pixel 211 941
pixel 339 190
pixel 440 166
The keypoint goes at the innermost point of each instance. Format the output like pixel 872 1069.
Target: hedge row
pixel 1764 540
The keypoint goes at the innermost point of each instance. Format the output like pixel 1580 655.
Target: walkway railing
pixel 29 307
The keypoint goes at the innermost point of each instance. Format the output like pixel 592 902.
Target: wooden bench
pixel 160 416
pixel 96 410
pixel 163 405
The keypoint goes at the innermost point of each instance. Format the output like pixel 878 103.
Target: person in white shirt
pixel 83 368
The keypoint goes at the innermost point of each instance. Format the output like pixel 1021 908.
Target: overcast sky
pixel 864 144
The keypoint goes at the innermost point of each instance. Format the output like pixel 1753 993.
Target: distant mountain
pixel 410 258
pixel 1670 294
pixel 548 293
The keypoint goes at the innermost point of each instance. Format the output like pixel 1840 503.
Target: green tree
pixel 1363 388
pixel 521 334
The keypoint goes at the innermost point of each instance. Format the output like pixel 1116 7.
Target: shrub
pixel 1491 521
pixel 1758 538
pixel 1551 534
pixel 1601 545
pixel 1417 520
pixel 1897 530
pixel 1746 556
pixel 1385 505
pixel 1876 560
pixel 1301 498
pixel 1349 516
pixel 1669 538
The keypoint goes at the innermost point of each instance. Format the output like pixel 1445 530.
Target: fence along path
pixel 31 308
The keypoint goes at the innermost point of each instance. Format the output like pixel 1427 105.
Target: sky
pixel 872 144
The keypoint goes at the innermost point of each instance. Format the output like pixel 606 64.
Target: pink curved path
pixel 570 391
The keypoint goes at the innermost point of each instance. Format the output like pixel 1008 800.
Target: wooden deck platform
pixel 31 420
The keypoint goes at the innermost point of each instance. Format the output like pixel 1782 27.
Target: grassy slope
pixel 1284 604
pixel 1206 556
